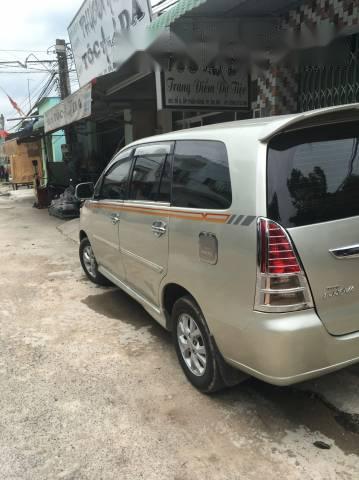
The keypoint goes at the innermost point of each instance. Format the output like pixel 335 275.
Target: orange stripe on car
pixel 180 214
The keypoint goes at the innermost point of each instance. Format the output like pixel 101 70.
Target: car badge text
pixel 338 291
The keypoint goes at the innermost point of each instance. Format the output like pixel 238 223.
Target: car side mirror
pixel 84 191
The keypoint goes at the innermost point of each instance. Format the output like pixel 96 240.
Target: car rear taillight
pixel 281 282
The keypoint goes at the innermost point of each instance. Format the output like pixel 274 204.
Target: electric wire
pixel 46 85
pixel 44 92
pixel 35 91
pixel 22 51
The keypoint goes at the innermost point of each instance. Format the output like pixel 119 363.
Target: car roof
pixel 263 128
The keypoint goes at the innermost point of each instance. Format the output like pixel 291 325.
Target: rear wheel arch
pixel 170 294
pixel 82 235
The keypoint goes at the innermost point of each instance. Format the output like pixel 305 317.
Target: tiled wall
pixel 277 86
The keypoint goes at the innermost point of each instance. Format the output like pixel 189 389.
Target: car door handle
pixel 352 251
pixel 115 218
pixel 159 228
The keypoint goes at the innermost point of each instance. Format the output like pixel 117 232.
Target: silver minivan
pixel 242 239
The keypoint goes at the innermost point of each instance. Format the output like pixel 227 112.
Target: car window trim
pixel 169 157
pixel 171 144
pixel 151 148
pixel 119 156
pixel 148 202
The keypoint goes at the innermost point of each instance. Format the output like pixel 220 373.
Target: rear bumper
pixel 292 348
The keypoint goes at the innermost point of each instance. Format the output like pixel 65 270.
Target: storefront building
pixel 202 62
pixel 300 55
pixel 116 101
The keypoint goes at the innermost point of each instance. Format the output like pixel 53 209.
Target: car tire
pixel 89 264
pixel 196 349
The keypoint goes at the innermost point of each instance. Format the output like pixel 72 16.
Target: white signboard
pixel 71 109
pixel 215 86
pixel 99 34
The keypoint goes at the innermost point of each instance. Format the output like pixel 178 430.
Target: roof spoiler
pixel 313 118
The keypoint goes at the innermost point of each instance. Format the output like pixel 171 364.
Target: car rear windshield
pixel 313 175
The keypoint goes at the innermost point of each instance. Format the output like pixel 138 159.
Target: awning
pixel 224 8
pixel 107 95
pixel 179 10
pixel 245 29
pixel 27 132
pixel 73 108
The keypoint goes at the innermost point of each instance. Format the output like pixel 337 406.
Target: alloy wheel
pixel 191 344
pixel 89 261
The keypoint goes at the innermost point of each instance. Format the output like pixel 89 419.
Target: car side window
pixel 201 176
pixel 115 182
pixel 151 174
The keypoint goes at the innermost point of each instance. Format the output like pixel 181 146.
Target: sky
pixel 30 26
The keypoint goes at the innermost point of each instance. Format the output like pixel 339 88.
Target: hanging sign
pixel 185 84
pixel 99 34
pixel 72 109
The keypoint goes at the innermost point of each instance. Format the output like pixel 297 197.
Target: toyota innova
pixel 242 239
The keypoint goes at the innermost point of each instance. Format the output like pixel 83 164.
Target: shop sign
pixel 214 86
pixel 72 109
pixel 99 34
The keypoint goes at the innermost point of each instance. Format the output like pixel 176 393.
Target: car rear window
pixel 313 175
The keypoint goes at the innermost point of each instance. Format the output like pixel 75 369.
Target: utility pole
pixel 64 77
pixel 28 92
pixel 65 91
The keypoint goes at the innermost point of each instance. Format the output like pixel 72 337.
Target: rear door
pixel 145 220
pixel 313 191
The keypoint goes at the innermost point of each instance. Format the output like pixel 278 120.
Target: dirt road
pixel 90 387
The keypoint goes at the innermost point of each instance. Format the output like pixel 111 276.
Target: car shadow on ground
pixel 291 406
pixel 115 304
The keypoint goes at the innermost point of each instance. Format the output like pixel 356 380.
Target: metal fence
pixel 331 84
